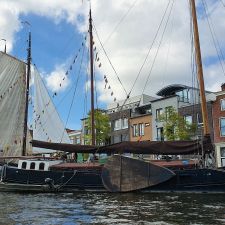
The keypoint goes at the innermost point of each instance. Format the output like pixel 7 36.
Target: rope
pixel 74 93
pixel 120 21
pixel 74 173
pixel 109 60
pixel 154 39
pixel 217 47
pixel 158 48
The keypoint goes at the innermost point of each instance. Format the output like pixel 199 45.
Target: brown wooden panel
pixel 123 174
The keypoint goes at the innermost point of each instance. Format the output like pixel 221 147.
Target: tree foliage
pixel 102 127
pixel 175 127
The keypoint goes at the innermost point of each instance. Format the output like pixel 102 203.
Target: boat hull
pixel 187 180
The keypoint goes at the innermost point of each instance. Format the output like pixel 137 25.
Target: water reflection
pixel 104 208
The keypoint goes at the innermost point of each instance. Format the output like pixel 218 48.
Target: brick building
pixel 219 125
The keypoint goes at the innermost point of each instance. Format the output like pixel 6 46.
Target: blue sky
pixel 58 28
pixel 55 44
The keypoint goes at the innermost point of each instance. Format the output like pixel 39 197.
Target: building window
pixel 86 131
pixel 184 95
pixel 135 130
pixel 41 166
pixel 188 119
pixel 32 166
pixel 199 119
pixel 141 129
pixel 222 103
pixel 24 165
pixel 117 124
pixel 77 140
pixel 124 123
pixel 160 134
pixel 222 152
pixel 116 139
pixel 158 113
pixel 168 111
pixel 222 127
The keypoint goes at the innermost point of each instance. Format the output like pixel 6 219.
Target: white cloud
pixel 57 80
pixel 129 44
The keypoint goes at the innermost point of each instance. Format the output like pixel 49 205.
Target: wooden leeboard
pixel 124 174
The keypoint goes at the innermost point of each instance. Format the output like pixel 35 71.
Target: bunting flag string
pixel 97 60
pixel 70 68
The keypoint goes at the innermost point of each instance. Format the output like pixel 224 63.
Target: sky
pixel 126 29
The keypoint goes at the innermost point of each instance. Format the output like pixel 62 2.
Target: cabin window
pixel 32 166
pixel 41 166
pixel 222 127
pixel 24 165
pixel 222 103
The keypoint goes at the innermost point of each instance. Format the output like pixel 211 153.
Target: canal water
pixel 105 208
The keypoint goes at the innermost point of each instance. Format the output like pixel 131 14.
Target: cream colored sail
pixel 12 104
pixel 47 125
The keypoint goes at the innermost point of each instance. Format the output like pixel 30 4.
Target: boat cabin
pixel 30 164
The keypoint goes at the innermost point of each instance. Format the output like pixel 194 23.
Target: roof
pixel 171 90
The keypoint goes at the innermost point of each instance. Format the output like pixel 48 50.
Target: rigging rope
pixel 120 21
pixel 154 39
pixel 109 59
pixel 215 40
pixel 223 4
pixel 158 48
pixel 74 93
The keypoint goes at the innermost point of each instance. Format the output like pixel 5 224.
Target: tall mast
pixel 92 82
pixel 200 70
pixel 27 95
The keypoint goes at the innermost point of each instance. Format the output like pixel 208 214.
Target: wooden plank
pixel 124 174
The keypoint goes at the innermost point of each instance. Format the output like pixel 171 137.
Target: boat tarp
pixel 144 147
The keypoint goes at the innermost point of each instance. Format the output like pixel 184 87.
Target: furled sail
pixel 47 125
pixel 12 104
pixel 143 147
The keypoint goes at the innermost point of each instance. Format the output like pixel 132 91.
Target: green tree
pixel 102 127
pixel 175 127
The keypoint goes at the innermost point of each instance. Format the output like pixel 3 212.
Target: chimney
pixel 223 87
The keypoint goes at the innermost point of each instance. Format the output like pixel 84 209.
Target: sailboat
pixel 120 173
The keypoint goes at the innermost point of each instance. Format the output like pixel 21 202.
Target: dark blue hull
pixel 188 180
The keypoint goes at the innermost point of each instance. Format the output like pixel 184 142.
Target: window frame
pixel 188 116
pixel 135 130
pixel 141 129
pixel 42 164
pixel 32 165
pixel 222 134
pixel 222 104
pixel 158 113
pixel 22 166
pixel 160 138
